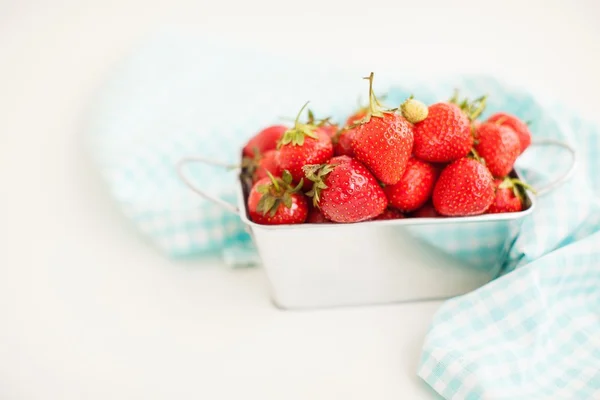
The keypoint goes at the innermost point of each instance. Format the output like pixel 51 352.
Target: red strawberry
pixel 264 140
pixel 383 141
pixel 465 187
pixel 345 191
pixel 520 128
pixel 330 130
pixel 390 213
pixel 444 136
pixel 427 211
pixel 509 196
pixel 357 116
pixel 324 124
pixel 273 201
pixel 415 187
pixel 315 216
pixel 499 146
pixel 343 143
pixel 256 167
pixel 301 145
pixel 268 162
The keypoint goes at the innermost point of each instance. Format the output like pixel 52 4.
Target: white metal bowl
pixel 374 262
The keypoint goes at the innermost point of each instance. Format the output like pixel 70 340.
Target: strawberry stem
pixel 500 121
pixel 473 109
pixel 479 105
pixel 371 94
pixel 278 192
pixel 298 132
pixel 518 187
pixel 312 120
pixel 273 180
pixel 524 185
pixel 297 120
pixel 317 173
pixel 474 154
pixel 454 98
pixel 374 109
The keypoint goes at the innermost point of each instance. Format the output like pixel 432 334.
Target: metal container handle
pixel 234 209
pixel 181 172
pixel 564 177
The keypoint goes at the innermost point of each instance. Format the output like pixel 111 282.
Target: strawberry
pixel 268 162
pixel 301 145
pixel 444 136
pixel 499 146
pixel 465 187
pixel 329 129
pixel 315 216
pixel 383 141
pixel 414 110
pixel 256 167
pixel 427 211
pixel 324 124
pixel 509 196
pixel 273 201
pixel 264 140
pixel 390 213
pixel 415 186
pixel 357 116
pixel 345 191
pixel 520 128
pixel 343 142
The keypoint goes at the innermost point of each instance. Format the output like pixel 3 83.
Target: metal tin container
pixel 378 262
pixel 371 262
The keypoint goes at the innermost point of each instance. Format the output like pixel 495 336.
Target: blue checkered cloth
pixel 532 333
pixel 174 97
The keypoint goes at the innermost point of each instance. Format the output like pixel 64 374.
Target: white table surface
pixel 89 310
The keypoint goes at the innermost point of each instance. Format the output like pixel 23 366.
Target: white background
pixel 88 310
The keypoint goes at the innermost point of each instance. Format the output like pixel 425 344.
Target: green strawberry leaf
pixel 298 186
pixel 263 189
pixel 506 183
pixel 316 173
pixel 269 204
pixel 454 98
pixel 287 200
pixel 274 207
pixel 287 177
pixel 297 134
pixel 261 206
pixel 473 109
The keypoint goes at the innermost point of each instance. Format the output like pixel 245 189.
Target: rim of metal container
pixel 243 213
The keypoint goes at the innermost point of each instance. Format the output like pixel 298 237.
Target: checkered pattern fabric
pixel 533 333
pixel 175 97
